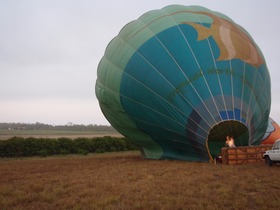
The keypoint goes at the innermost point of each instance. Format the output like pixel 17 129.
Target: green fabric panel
pixel 113 111
pixel 107 91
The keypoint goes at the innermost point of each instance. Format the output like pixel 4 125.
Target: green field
pixel 6 134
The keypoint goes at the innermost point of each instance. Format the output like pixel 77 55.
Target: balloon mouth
pixel 218 134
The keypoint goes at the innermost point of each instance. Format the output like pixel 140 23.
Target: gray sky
pixel 50 50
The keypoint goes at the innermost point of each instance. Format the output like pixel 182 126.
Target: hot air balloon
pixel 272 133
pixel 179 80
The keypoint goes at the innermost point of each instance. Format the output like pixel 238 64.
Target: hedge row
pixel 26 147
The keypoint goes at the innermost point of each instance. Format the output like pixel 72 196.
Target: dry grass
pixel 126 181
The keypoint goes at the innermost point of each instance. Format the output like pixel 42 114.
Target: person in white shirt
pixel 230 141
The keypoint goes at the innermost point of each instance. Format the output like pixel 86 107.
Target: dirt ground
pixel 127 181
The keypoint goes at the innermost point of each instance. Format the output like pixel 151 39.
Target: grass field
pixel 6 134
pixel 126 181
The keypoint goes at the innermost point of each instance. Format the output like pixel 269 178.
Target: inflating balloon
pixel 179 80
pixel 272 133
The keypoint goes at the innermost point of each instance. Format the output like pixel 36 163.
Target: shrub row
pixel 26 147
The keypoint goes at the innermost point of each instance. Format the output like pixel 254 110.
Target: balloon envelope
pixel 178 80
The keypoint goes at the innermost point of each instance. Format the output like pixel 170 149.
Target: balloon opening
pixel 218 135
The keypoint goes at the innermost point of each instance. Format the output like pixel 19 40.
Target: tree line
pixel 69 126
pixel 27 147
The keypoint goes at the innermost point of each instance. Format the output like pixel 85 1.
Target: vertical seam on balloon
pixel 212 55
pixel 267 105
pixel 183 74
pixel 196 60
pixel 185 38
pixel 205 80
pixel 219 80
pixel 249 111
pixel 252 93
pixel 232 90
pixel 181 71
pixel 242 96
pixel 233 102
pixel 232 98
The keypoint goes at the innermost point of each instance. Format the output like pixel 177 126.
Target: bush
pixel 66 146
pixel 24 147
pixel 43 153
pixel 82 151
pixel 84 144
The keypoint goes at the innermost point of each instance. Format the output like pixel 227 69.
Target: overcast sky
pixel 50 50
